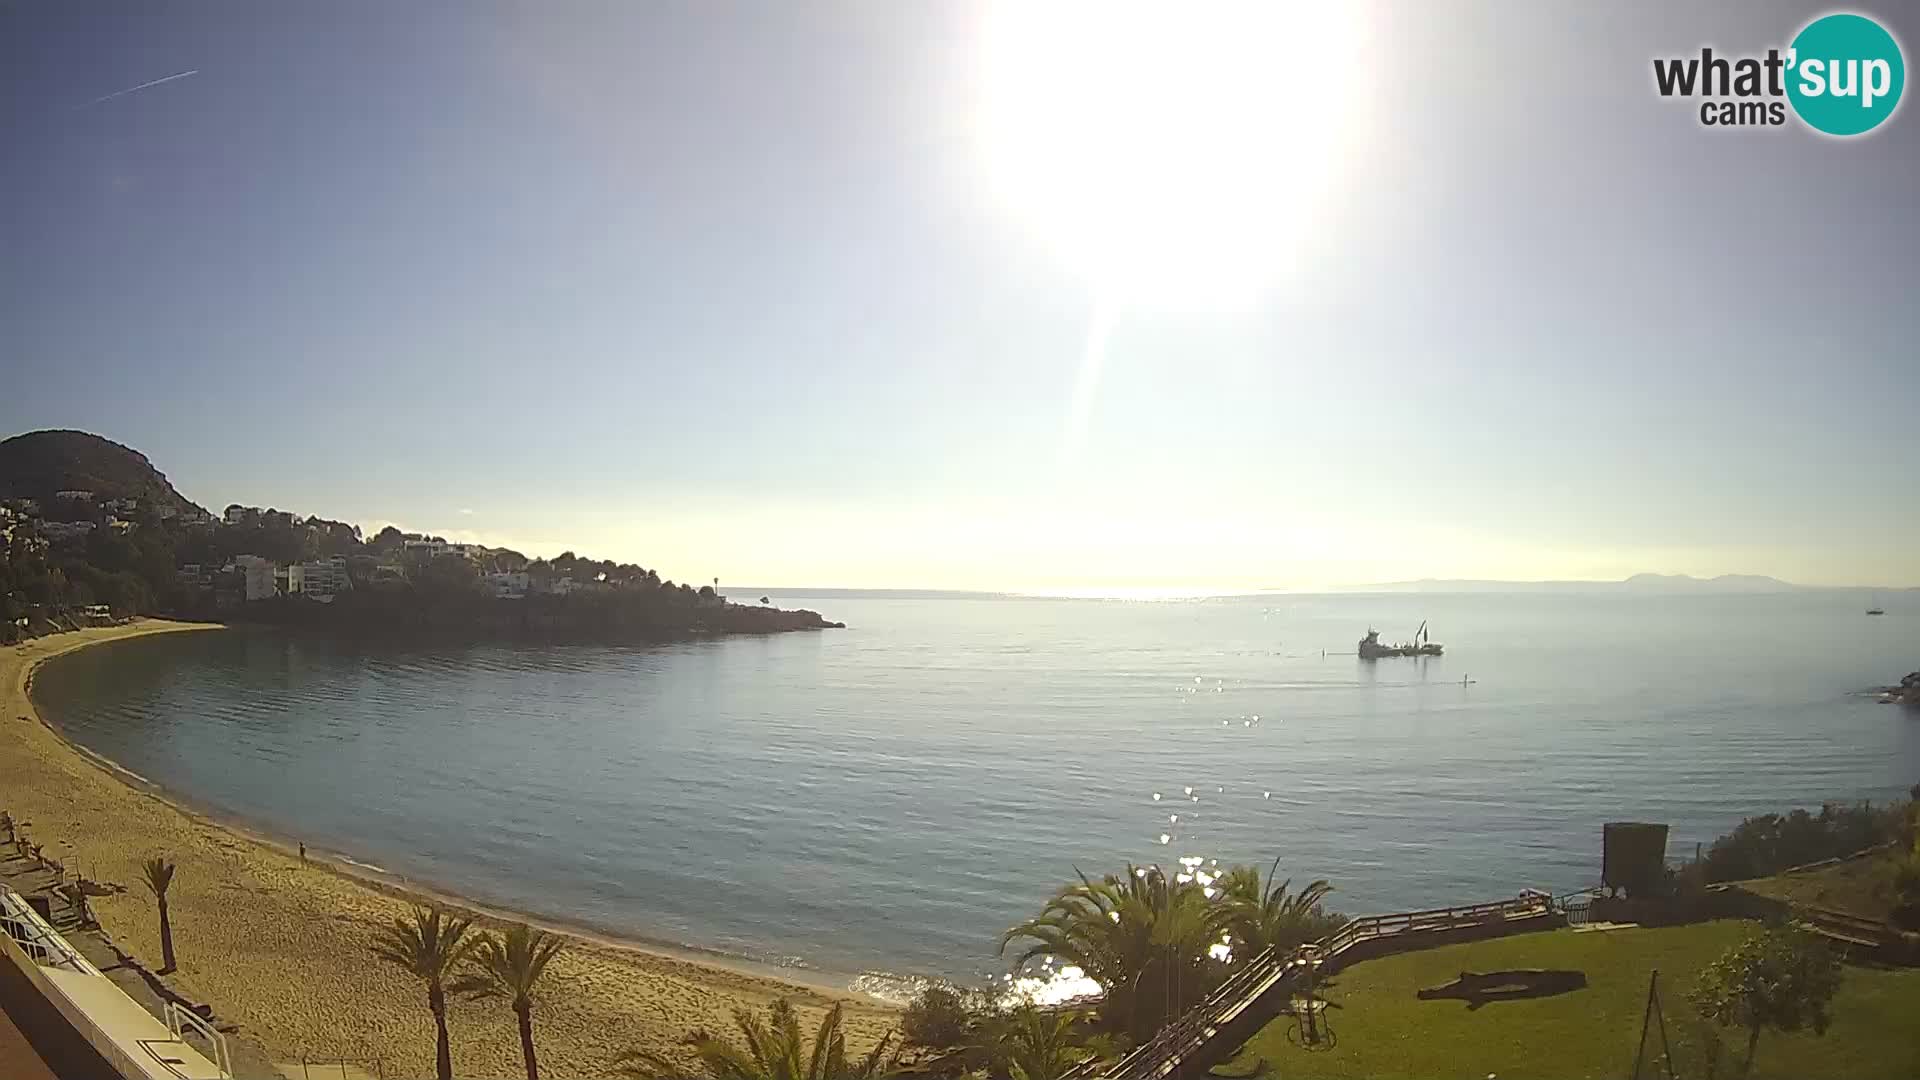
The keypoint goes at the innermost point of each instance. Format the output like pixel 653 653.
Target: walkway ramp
pixel 1216 1028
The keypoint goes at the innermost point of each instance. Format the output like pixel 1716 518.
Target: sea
pixel 878 804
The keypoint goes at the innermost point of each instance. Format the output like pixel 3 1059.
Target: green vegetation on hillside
pixel 1770 843
pixel 121 538
pixel 40 464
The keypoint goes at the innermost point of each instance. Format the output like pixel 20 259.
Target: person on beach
pixel 303 851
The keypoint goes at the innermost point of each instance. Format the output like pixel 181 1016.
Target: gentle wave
pixel 887 800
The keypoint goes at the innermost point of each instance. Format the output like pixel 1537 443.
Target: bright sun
pixel 1176 154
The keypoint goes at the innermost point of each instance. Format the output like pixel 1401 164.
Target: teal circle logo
pixel 1845 74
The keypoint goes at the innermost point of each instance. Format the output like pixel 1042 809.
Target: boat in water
pixel 1422 644
pixel 1876 609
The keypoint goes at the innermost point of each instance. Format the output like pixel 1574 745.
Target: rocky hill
pixel 40 463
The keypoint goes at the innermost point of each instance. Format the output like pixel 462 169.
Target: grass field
pixel 1384 1031
pixel 1862 886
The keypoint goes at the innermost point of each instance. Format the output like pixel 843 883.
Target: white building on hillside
pixel 323 579
pixel 259 574
pixel 508 585
pixel 61 532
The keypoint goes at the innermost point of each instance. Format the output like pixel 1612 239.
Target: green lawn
pixel 1385 1031
pixel 1862 886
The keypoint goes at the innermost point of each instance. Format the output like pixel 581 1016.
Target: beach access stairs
pixel 1215 1029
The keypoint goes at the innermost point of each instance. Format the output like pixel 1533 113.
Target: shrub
pixel 1906 889
pixel 939 1019
pixel 1771 843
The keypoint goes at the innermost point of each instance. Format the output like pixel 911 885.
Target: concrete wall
pixel 69 1043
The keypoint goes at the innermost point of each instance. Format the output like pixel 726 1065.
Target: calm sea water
pixel 892 796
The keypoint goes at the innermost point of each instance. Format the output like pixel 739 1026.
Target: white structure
pixel 76 494
pixel 321 579
pixel 62 531
pixel 430 548
pixel 260 574
pixel 509 585
pixel 130 1041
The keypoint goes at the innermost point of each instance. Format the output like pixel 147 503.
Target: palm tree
pixel 159 875
pixel 776 1050
pixel 1269 916
pixel 431 946
pixel 510 964
pixel 1040 1045
pixel 1141 936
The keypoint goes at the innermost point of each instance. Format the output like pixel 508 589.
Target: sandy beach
pixel 282 949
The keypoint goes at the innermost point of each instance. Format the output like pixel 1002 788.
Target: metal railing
pixel 1265 973
pixel 323 1068
pixel 181 1020
pixel 37 939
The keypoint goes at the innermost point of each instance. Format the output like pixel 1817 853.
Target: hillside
pixel 1638 583
pixel 39 463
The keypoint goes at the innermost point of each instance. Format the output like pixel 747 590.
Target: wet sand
pixel 283 948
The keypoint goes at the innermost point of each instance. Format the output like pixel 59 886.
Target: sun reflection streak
pixel 1086 384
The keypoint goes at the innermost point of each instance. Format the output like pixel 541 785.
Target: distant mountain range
pixel 1638 583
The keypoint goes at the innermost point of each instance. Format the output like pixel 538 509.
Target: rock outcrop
pixel 1907 693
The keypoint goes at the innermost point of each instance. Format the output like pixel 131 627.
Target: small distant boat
pixel 1876 609
pixel 1422 644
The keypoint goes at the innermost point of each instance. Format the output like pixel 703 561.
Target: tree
pixel 159 877
pixel 430 946
pixel 776 1049
pixel 1041 1045
pixel 1141 936
pixel 510 965
pixel 1269 916
pixel 1778 978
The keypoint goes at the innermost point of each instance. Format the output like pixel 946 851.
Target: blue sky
pixel 741 290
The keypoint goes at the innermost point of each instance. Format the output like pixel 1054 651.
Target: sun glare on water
pixel 1175 154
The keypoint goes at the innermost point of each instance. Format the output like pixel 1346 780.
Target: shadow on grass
pixel 1477 989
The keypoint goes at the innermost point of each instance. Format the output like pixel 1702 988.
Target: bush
pixel 1905 874
pixel 939 1019
pixel 1771 843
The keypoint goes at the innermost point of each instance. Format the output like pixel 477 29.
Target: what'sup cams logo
pixel 1842 75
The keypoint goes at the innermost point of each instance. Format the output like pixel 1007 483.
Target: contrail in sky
pixel 142 86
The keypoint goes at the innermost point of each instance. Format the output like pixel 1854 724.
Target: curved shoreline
pixel 624 994
pixel 400 885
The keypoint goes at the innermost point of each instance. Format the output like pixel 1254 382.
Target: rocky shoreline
pixel 1907 693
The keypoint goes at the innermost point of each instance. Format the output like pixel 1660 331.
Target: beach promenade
pixel 281 949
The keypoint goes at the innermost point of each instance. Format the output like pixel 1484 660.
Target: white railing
pixel 181 1019
pixel 35 938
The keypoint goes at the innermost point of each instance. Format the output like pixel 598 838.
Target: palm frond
pixel 158 873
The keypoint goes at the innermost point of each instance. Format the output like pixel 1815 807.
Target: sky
pixel 949 295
